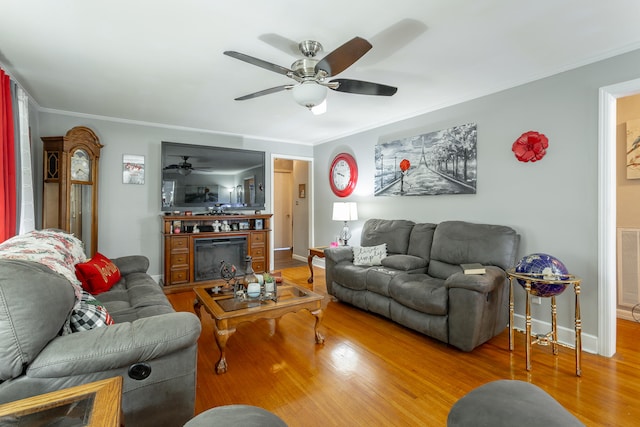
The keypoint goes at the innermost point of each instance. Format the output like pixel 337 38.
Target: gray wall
pixel 551 203
pixel 129 215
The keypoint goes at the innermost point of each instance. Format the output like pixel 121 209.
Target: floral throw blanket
pixel 55 249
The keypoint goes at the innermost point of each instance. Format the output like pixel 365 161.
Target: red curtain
pixel 7 162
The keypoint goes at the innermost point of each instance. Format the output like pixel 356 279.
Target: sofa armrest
pixel 482 283
pixel 132 264
pixel 116 346
pixel 478 307
pixel 334 256
pixel 339 253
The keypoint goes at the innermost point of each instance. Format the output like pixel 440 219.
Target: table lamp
pixel 345 211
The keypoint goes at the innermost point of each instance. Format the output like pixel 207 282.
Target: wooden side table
pixel 550 338
pixel 317 251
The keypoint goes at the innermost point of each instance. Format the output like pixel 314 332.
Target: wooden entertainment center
pixel 180 243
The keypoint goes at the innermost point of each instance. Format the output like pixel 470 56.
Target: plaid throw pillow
pixel 89 313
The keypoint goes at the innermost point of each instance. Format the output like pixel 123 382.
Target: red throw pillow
pixel 98 274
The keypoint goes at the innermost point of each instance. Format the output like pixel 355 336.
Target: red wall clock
pixel 343 175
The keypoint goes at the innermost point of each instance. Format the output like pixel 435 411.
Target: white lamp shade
pixel 345 211
pixel 309 94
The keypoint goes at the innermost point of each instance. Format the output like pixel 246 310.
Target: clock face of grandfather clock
pixel 343 175
pixel 80 166
pixel 70 190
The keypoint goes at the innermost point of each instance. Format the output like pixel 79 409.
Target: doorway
pixel 607 280
pixel 283 207
pixel 292 195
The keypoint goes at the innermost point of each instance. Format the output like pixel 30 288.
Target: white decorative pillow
pixel 369 255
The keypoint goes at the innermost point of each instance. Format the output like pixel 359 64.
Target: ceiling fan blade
pixel 264 92
pixel 259 62
pixel 344 56
pixel 363 88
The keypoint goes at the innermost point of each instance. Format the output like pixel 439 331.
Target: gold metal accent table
pixel 551 338
pixel 228 312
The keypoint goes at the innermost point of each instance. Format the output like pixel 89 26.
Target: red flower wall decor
pixel 530 146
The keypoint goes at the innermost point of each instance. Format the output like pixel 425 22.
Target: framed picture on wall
pixel 132 169
pixel 302 191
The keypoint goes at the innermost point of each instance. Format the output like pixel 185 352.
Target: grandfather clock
pixel 70 191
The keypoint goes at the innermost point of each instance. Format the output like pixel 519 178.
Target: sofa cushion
pixel 351 276
pixel 378 279
pixel 443 270
pixel 395 233
pixel 34 306
pixel 459 242
pixel 420 240
pixel 408 263
pixel 420 292
pixel 135 296
pixel 369 255
pixel 98 274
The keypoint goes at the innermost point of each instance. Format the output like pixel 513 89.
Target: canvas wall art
pixel 440 162
pixel 633 149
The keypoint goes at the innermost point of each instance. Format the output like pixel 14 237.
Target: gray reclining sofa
pixel 151 346
pixel 420 283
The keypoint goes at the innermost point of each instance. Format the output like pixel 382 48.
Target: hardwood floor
pixel 372 372
pixel 284 259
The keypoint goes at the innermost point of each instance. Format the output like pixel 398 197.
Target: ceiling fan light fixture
pixel 184 171
pixel 309 94
pixel 320 108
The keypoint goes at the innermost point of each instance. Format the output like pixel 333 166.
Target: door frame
pixel 310 194
pixel 607 273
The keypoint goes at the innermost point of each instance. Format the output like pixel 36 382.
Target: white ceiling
pixel 161 62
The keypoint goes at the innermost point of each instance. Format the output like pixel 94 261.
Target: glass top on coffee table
pixel 285 293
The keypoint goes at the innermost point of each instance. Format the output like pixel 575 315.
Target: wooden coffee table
pixel 228 312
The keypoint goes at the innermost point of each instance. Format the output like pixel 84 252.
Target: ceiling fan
pixel 311 74
pixel 184 168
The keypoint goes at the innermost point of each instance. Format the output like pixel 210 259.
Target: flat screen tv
pixel 203 178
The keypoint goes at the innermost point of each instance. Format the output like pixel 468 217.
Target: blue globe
pixel 544 267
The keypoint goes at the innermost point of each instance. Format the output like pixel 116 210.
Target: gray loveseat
pixel 152 347
pixel 420 284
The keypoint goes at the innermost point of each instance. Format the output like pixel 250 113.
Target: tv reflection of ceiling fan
pixel 184 168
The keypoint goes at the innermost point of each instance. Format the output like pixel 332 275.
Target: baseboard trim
pixel 299 258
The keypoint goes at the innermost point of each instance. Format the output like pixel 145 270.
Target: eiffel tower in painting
pixel 423 158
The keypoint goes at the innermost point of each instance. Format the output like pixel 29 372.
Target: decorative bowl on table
pixel 547 269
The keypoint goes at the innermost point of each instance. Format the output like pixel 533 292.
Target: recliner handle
pixel 139 371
